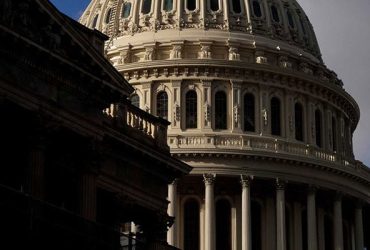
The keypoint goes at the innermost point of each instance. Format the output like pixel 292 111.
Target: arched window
pixel 290 19
pixel 249 113
pixel 191 4
pixel 334 132
pixel 223 225
pixel 162 105
pixel 237 8
pixel 275 13
pixel 191 225
pixel 126 10
pixel 215 5
pixel 220 110
pixel 302 26
pixel 146 6
pixel 275 116
pixel 95 21
pixel 256 211
pixel 135 100
pixel 298 121
pixel 318 128
pixel 191 109
pixel 257 8
pixel 167 5
pixel 108 15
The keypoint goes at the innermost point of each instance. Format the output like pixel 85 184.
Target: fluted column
pixel 311 219
pixel 209 226
pixel 172 206
pixel 280 215
pixel 246 214
pixel 359 228
pixel 88 199
pixel 338 223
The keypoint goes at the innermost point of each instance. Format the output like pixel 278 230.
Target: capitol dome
pixel 266 126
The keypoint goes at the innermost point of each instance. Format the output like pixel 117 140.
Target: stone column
pixel 280 215
pixel 359 228
pixel 207 104
pixel 172 207
pixel 338 223
pixel 311 219
pixel 246 214
pixel 236 106
pixel 88 196
pixel 209 226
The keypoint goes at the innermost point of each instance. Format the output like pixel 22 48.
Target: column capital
pixel 280 184
pixel 245 180
pixel 174 181
pixel 312 189
pixel 209 179
pixel 338 196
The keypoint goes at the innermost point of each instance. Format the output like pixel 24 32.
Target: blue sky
pixel 72 8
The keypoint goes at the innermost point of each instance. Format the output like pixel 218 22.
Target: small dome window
pixel 237 8
pixel 275 14
pixel 191 4
pixel 126 10
pixel 215 5
pixel 257 8
pixel 146 6
pixel 302 26
pixel 290 19
pixel 135 100
pixel 168 5
pixel 95 21
pixel 108 15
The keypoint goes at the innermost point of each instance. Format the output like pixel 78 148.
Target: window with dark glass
pixel 237 8
pixel 146 6
pixel 249 113
pixel 95 21
pixel 191 225
pixel 167 5
pixel 214 5
pixel 290 19
pixel 191 109
pixel 275 116
pixel 257 8
pixel 298 121
pixel 220 110
pixel 108 16
pixel 318 127
pixel 275 13
pixel 191 4
pixel 162 105
pixel 223 225
pixel 334 132
pixel 126 10
pixel 135 100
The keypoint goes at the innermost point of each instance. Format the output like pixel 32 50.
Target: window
pixel 191 109
pixel 191 4
pixel 95 21
pixel 298 121
pixel 318 128
pixel 162 105
pixel 237 8
pixel 126 10
pixel 290 19
pixel 191 225
pixel 334 132
pixel 275 13
pixel 167 5
pixel 223 225
pixel 220 110
pixel 146 6
pixel 257 8
pixel 108 16
pixel 214 5
pixel 249 113
pixel 135 100
pixel 275 116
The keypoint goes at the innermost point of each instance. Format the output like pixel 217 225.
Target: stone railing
pixel 137 120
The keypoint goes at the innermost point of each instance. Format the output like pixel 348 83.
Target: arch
pixel 249 113
pixel 167 5
pixel 223 224
pixel 95 21
pixel 162 105
pixel 108 16
pixel 318 127
pixel 135 100
pixel 236 6
pixel 256 6
pixel 298 121
pixel 126 10
pixel 334 133
pixel 214 5
pixel 275 107
pixel 191 5
pixel 191 224
pixel 275 13
pixel 220 110
pixel 146 6
pixel 256 225
pixel 191 118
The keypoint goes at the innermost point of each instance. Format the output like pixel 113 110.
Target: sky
pixel 342 28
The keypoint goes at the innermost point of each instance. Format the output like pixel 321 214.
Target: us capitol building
pixel 253 108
